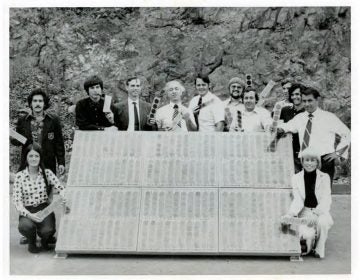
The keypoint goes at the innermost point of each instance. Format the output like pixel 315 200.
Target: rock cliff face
pixel 58 48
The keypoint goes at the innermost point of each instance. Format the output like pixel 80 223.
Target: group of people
pixel 313 131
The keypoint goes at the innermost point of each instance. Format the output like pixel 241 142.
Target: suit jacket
pixel 121 115
pixel 52 143
pixel 322 193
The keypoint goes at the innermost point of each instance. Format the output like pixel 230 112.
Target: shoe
pixel 316 255
pixel 52 240
pixel 23 240
pixel 45 245
pixel 32 248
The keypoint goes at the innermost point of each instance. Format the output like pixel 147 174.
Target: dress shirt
pixel 164 116
pixel 324 127
pixel 27 192
pixel 210 114
pixel 131 113
pixel 257 120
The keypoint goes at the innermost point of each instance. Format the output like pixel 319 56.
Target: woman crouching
pixel 31 192
pixel 312 200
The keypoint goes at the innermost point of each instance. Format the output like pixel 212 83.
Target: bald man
pixel 174 116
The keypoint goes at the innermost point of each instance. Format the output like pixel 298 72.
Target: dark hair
pixel 130 79
pixel 293 88
pixel 39 91
pixel 311 91
pixel 248 89
pixel 203 77
pixel 285 81
pixel 92 81
pixel 36 147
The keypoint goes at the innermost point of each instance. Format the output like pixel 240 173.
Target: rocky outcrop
pixel 57 48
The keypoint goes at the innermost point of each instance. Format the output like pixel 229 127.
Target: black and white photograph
pixel 165 138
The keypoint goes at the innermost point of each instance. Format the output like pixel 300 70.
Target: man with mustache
pixel 318 128
pixel 132 114
pixel 44 129
pixel 89 111
pixel 175 116
pixel 254 118
pixel 234 103
pixel 207 107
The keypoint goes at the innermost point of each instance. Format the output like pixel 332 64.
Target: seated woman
pixel 312 200
pixel 31 194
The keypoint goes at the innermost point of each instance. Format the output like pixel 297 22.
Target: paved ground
pixel 338 257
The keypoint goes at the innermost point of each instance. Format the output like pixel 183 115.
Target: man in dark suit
pixel 132 114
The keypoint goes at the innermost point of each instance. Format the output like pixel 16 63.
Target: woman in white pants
pixel 312 200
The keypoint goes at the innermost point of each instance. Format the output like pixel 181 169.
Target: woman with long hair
pixel 32 188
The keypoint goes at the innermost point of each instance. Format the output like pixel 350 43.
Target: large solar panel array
pixel 177 193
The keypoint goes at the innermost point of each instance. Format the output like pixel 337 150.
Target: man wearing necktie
pixel 174 116
pixel 317 129
pixel 131 114
pixel 208 109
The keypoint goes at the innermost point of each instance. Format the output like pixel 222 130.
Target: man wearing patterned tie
pixel 131 114
pixel 207 107
pixel 234 103
pixel 174 116
pixel 317 128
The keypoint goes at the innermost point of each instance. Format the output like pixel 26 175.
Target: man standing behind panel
pixel 131 114
pixel 174 116
pixel 233 104
pixel 208 108
pixel 89 111
pixel 254 118
pixel 317 128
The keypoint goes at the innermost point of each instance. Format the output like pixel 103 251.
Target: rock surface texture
pixel 57 48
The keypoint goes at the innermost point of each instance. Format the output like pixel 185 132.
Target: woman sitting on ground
pixel 312 200
pixel 31 194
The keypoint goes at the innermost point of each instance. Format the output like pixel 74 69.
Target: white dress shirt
pixel 131 113
pixel 210 114
pixel 324 127
pixel 233 107
pixel 165 114
pixel 257 120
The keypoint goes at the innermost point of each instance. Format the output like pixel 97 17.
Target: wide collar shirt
pixel 164 117
pixel 131 113
pixel 28 192
pixel 258 120
pixel 210 114
pixel 325 126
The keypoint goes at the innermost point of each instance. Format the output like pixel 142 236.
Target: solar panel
pixel 177 193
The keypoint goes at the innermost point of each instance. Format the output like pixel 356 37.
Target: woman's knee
pixel 26 225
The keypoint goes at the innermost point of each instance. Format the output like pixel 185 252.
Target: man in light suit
pixel 131 114
pixel 312 201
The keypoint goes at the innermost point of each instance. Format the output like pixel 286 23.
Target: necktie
pixel 197 114
pixel 239 119
pixel 176 112
pixel 307 133
pixel 136 115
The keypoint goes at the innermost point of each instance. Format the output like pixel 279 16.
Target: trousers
pixel 44 229
pixel 315 236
